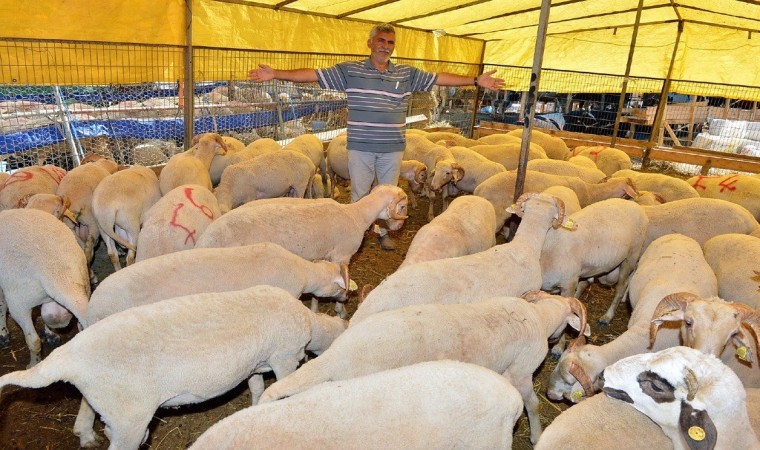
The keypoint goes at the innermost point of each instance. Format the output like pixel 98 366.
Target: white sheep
pixel 610 236
pixel 455 138
pixel 467 226
pixel 414 172
pixel 566 168
pixel 734 259
pixel 670 188
pixel 440 162
pixel 499 189
pixel 477 168
pixel 40 262
pixel 672 263
pixel 29 180
pixel 505 334
pixel 743 190
pixel 508 154
pixel 272 174
pixel 710 325
pixel 601 422
pixel 176 221
pixel 440 388
pixel 312 147
pixel 208 270
pixel 609 160
pixel 508 269
pixel 568 196
pixel 554 147
pixel 252 150
pixel 119 204
pixel 179 351
pixel 583 161
pixel 695 399
pixel 56 205
pixel 78 186
pixel 192 166
pixel 499 138
pixel 698 218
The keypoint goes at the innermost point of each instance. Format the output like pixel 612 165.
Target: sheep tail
pixel 109 227
pixel 38 376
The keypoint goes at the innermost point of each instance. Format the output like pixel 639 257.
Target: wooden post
pixel 726 108
pixel 523 100
pixel 621 102
pixel 754 110
pixel 189 82
pixel 659 115
pixel 569 104
pixel 530 111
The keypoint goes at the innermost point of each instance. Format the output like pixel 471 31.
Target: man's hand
pixel 485 80
pixel 263 73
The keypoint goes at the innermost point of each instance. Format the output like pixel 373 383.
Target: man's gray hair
pixel 381 28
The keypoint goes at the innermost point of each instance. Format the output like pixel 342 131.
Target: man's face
pixel 382 45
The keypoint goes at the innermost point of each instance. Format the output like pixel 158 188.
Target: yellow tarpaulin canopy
pixel 719 43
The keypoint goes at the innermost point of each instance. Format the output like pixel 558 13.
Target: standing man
pixel 378 93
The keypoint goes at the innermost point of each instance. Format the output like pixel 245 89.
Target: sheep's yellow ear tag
pixel 697 433
pixel 352 286
pixel 576 396
pixel 569 224
pixel 741 353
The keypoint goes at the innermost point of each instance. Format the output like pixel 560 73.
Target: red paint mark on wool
pixel 697 184
pixel 728 183
pixel 17 177
pixel 56 173
pixel 174 223
pixel 203 208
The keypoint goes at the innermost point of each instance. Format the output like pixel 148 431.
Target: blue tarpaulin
pixel 164 128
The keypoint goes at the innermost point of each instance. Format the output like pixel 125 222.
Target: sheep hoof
pixel 92 440
pixel 387 243
pixel 51 339
pixel 603 322
pixel 555 354
pixel 5 341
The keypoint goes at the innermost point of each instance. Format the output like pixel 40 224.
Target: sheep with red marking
pixel 608 160
pixel 177 221
pixel 743 190
pixel 30 180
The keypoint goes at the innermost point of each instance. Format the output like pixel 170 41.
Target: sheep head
pixel 708 325
pixel 396 206
pixel 678 388
pixel 209 142
pixel 444 172
pixel 573 377
pixel 559 217
pixel 623 187
pixel 57 205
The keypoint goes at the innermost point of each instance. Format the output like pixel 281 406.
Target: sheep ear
pixel 696 427
pixel 575 322
pixel 23 201
pixel 743 346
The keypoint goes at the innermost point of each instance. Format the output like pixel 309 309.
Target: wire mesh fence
pixel 67 99
pixel 56 111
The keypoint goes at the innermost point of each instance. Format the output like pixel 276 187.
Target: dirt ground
pixel 43 418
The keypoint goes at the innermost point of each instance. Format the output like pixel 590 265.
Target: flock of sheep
pixel 221 246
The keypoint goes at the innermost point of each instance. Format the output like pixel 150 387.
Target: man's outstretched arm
pixel 266 73
pixel 485 80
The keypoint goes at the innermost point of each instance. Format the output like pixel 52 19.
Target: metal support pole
pixel 621 102
pixel 76 151
pixel 189 83
pixel 478 92
pixel 530 109
pixel 529 112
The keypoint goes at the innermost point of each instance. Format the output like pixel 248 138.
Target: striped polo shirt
pixel 377 101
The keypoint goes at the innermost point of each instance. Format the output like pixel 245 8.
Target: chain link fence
pixel 143 122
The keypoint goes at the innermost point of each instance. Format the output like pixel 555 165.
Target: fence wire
pixel 67 99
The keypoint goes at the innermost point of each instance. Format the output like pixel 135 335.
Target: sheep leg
pixel 582 286
pixel 559 347
pixel 5 339
pixel 412 200
pixel 431 200
pixel 50 337
pixel 133 233
pixel 620 289
pixel 23 317
pixel 256 385
pixel 314 304
pixel 83 426
pixel 113 254
pixel 283 365
pixel 525 386
pixel 340 310
pixel 129 429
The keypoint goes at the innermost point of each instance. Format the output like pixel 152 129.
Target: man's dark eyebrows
pixel 390 41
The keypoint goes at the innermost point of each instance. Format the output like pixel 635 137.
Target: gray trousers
pixel 364 167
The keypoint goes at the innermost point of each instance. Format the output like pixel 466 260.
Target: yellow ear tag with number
pixel 569 224
pixel 697 433
pixel 741 352
pixel 577 396
pixel 352 286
